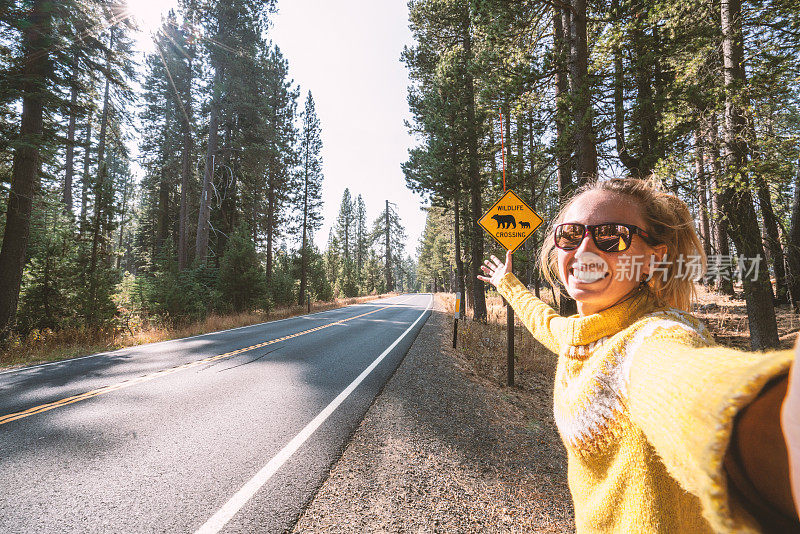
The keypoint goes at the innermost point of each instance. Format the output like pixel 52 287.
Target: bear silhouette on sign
pixel 504 221
pixel 525 224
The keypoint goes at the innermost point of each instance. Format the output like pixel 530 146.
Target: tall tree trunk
pixel 520 131
pixel 122 221
pixel 723 249
pixel 85 178
pixel 478 295
pixel 507 157
pixel 459 260
pixel 25 169
pixel 69 163
pixel 584 139
pixel 456 181
pixel 270 230
pixel 564 184
pixel 737 202
pixel 162 226
pixel 702 188
pixel 186 166
pixel 631 162
pixel 466 242
pixel 303 250
pixel 99 184
pixel 646 114
pixel 204 217
pixel 793 247
pixel 773 239
pixel 389 283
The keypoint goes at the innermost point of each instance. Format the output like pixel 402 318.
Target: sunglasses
pixel 608 237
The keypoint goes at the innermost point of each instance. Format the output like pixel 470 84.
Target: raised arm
pixel 535 314
pixel 790 423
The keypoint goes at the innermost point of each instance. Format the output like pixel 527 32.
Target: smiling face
pixel 580 269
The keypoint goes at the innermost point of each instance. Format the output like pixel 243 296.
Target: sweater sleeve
pixel 685 398
pixel 535 314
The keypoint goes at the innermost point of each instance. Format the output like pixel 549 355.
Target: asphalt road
pixel 232 431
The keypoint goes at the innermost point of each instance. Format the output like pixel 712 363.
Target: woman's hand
pixel 790 422
pixel 495 270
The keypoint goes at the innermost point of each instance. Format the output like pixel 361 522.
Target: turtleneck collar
pixel 576 330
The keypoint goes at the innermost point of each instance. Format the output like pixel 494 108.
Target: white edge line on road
pixel 217 521
pixel 31 367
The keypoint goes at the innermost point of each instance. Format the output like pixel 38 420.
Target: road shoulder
pixel 441 450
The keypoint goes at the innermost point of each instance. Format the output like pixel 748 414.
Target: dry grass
pixel 727 318
pixel 51 346
pixel 483 346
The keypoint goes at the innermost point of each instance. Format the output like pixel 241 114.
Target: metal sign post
pixel 510 221
pixel 456 317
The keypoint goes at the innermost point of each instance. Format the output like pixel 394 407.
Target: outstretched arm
pixel 758 446
pixel 790 422
pixel 539 318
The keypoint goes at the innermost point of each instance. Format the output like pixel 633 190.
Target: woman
pixel 664 431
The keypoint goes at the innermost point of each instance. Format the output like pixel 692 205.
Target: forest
pixel 701 95
pixel 223 215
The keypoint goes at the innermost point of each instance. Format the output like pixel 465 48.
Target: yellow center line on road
pixel 164 372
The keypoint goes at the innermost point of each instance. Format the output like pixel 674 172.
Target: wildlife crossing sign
pixel 510 221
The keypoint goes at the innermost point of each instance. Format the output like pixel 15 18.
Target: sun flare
pixel 148 13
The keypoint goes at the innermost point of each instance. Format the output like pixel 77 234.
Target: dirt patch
pixel 726 317
pixel 444 449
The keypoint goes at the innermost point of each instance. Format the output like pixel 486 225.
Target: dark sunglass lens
pixel 569 236
pixel 612 237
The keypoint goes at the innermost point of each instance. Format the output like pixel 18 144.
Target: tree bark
pixel 122 221
pixel 459 260
pixel 721 234
pixel 204 217
pixel 186 166
pixel 25 169
pixel 162 226
pixel 478 294
pixel 737 201
pixel 389 283
pixel 69 163
pixel 702 188
pixel 85 178
pixel 584 139
pixel 793 247
pixel 99 184
pixel 564 184
pixel 773 237
pixel 303 251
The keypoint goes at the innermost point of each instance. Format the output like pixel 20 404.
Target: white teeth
pixel 589 268
pixel 587 275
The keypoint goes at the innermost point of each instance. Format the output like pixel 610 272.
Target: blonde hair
pixel 667 220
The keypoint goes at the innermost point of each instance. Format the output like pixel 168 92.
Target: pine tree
pixel 345 234
pixel 309 192
pixel 389 236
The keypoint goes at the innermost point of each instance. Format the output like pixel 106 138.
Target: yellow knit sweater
pixel 645 407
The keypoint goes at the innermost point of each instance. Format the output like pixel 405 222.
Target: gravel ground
pixel 444 450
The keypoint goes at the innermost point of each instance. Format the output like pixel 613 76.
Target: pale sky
pixel 347 53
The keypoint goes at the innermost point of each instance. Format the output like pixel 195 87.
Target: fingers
pixel 509 258
pixel 484 279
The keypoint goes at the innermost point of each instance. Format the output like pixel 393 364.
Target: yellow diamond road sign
pixel 510 221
